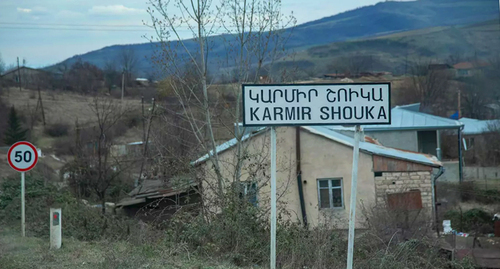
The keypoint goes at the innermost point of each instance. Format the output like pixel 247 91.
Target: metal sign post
pixel 273 198
pixel 354 191
pixel 22 157
pixel 23 222
pixel 271 105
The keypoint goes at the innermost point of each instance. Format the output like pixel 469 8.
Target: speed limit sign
pixel 22 156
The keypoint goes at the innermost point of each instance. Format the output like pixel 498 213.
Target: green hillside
pixel 364 22
pixel 392 52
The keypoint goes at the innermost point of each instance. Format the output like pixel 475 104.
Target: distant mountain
pixel 370 21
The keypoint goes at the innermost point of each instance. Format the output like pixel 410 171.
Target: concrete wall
pixel 407 140
pixel 451 172
pixel 478 173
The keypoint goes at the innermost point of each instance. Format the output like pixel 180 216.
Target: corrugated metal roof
pixel 227 145
pixel 375 149
pixel 330 133
pixel 473 126
pixel 406 118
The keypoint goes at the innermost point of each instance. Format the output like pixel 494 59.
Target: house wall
pixel 397 182
pixel 407 140
pixel 256 167
pixel 28 76
pixel 320 158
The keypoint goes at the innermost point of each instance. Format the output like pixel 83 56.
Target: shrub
pixel 57 129
pixel 64 146
pixel 474 220
pixel 78 220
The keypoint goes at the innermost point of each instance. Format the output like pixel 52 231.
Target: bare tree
pixel 129 62
pixel 353 64
pixel 95 167
pixel 253 42
pixel 111 75
pixel 425 85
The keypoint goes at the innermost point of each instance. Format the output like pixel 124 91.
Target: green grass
pixel 30 252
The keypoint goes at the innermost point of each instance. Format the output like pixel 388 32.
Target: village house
pixel 314 174
pixel 468 69
pixel 26 75
pixel 416 131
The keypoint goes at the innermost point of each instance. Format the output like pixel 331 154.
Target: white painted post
pixel 23 221
pixel 354 190
pixel 55 228
pixel 273 198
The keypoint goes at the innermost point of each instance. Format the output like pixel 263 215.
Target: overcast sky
pixel 45 32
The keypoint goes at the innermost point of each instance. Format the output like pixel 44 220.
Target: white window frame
pixel 330 193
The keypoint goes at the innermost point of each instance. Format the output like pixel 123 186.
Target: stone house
pixel 314 167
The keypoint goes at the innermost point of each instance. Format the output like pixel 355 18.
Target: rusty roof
pixel 471 65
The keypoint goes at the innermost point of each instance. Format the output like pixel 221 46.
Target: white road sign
pixel 316 104
pixel 22 156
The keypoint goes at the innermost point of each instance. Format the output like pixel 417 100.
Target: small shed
pixel 156 200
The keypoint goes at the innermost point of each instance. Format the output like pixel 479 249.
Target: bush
pixel 78 220
pixel 57 129
pixel 474 220
pixel 64 146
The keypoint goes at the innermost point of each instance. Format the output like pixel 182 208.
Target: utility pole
pixel 123 85
pixel 459 113
pixel 41 105
pixel 18 73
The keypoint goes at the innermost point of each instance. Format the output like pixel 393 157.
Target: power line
pixel 73 24
pixel 75 29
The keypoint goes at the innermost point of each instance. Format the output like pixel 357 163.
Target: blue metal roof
pixel 406 118
pixel 473 126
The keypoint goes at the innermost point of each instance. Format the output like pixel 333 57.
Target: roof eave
pixel 430 163
pixel 421 128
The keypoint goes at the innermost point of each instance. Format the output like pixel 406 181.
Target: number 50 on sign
pixel 22 156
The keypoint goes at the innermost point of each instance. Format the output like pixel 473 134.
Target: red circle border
pixel 27 144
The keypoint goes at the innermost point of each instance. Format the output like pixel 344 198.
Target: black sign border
pixel 316 124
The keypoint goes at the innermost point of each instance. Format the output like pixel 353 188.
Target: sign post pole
pixel 23 222
pixel 22 157
pixel 354 190
pixel 270 105
pixel 273 198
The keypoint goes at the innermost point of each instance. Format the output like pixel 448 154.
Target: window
pixel 330 193
pixel 470 142
pixel 248 190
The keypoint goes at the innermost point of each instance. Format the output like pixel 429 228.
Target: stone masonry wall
pixel 397 182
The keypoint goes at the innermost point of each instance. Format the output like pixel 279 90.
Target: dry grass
pixel 30 252
pixel 59 107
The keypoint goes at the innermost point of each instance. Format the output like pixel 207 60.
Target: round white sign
pixel 22 156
